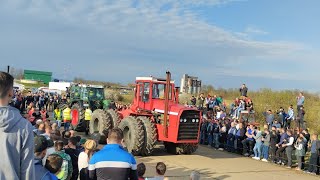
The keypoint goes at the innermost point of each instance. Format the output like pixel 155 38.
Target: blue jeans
pixel 257 149
pixel 265 152
pixel 66 126
pixel 59 123
pixel 210 140
pixel 216 140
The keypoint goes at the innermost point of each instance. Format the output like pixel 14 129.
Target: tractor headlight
pixel 193 120
pixel 181 120
pixel 185 120
pixel 197 120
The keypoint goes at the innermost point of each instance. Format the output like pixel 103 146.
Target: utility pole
pixel 8 69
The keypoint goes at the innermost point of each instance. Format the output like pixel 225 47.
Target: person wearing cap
pixel 40 151
pixel 84 157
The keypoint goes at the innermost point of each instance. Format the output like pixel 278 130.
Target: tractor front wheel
pixel 133 134
pixel 150 136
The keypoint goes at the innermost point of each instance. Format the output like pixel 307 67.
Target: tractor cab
pixel 150 93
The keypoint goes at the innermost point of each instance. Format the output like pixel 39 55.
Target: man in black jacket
pixel 274 140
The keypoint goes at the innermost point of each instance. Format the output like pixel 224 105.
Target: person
pixel 17 158
pixel 240 135
pixel 231 137
pixel 243 90
pixel 314 159
pixel 257 135
pixel 247 150
pixel 300 100
pixel 269 118
pixel 72 151
pixel 87 118
pixel 281 116
pixel 300 152
pixel 290 117
pixel 274 140
pixel 40 151
pixel 300 118
pixel 57 116
pixel 281 149
pixel 289 148
pixel 84 157
pixel 44 114
pixel 65 137
pixel 66 169
pixel 40 130
pixel 113 162
pixel 54 164
pixel 67 118
pixel 161 169
pixel 276 124
pixel 31 114
pixel 216 134
pixel 195 175
pixel 203 130
pixel 265 145
pixel 201 100
pixel 141 170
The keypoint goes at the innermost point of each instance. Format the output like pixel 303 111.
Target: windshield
pixel 96 93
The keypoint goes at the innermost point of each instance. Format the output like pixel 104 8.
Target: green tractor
pixel 83 96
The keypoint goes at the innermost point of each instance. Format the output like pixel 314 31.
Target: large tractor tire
pixel 133 134
pixel 114 117
pixel 79 119
pixel 179 149
pixel 99 124
pixel 150 136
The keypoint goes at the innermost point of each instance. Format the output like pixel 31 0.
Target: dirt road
pixel 218 165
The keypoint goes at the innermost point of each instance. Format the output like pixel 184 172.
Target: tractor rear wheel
pixel 98 124
pixel 177 149
pixel 150 136
pixel 114 117
pixel 78 111
pixel 133 134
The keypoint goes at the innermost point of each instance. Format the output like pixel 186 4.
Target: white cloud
pixel 252 30
pixel 166 31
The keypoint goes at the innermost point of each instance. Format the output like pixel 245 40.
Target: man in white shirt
pixel 289 148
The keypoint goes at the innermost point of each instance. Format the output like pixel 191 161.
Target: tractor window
pixel 146 92
pixel 158 91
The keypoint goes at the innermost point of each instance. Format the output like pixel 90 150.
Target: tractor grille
pixel 189 125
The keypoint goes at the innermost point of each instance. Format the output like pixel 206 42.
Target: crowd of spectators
pixel 282 138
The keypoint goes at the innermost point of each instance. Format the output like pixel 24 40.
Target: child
pixel 54 164
pixel 265 146
pixel 141 170
pixel 161 170
pixel 300 152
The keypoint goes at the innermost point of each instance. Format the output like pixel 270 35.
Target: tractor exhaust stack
pixel 166 104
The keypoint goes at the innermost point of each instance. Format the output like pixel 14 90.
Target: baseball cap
pixel 40 143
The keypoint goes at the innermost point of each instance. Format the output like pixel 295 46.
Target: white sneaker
pixel 256 158
pixel 264 160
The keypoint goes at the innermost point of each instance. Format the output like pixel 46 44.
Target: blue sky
pixel 263 43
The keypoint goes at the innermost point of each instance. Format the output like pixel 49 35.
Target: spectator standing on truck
pixel 17 158
pixel 290 117
pixel 67 118
pixel 269 118
pixel 243 90
pixel 300 100
pixel 87 118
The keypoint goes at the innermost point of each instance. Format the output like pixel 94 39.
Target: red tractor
pixel 156 115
